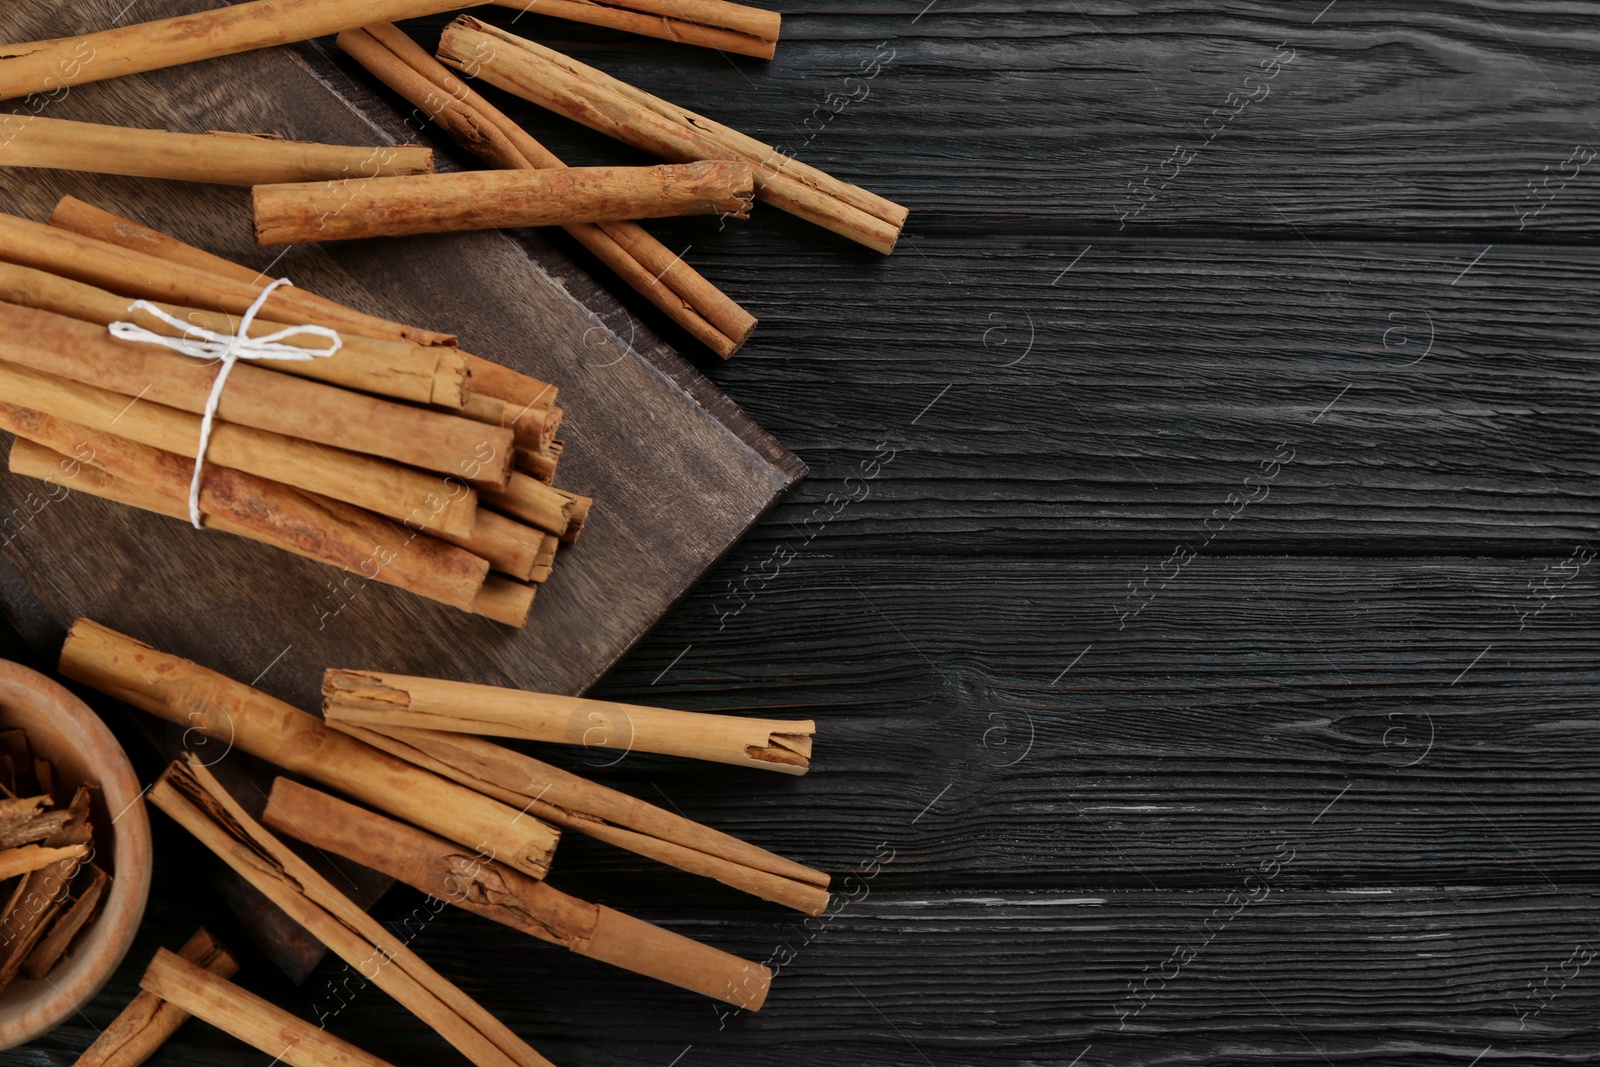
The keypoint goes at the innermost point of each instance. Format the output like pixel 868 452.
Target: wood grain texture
pixel 933 624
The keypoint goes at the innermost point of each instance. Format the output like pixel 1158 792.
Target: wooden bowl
pixel 62 729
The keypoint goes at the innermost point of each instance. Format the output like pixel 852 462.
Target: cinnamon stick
pixel 131 272
pixel 48 952
pixel 601 102
pixel 542 506
pixel 488 378
pixel 29 858
pixel 727 27
pixel 196 800
pixel 43 890
pixel 49 66
pixel 146 1023
pixel 533 426
pixel 243 1015
pixel 398 369
pixel 495 600
pixel 218 158
pixel 420 500
pixel 509 547
pixel 575 803
pixel 218 707
pixel 23 822
pixel 541 464
pixel 485 200
pixel 257 397
pixel 377 699
pixel 313 526
pixel 478 884
pixel 643 262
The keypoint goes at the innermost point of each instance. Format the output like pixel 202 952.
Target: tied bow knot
pixel 229 349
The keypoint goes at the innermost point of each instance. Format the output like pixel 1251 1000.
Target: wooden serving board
pixel 678 473
pixel 675 484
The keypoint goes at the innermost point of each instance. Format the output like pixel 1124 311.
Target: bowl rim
pixel 103 946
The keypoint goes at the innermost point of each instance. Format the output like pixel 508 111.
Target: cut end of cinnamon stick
pixel 789 752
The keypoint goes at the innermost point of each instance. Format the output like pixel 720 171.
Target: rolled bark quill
pixel 643 262
pixel 745 31
pixel 126 270
pixel 146 1023
pixel 478 884
pixel 196 800
pixel 396 369
pixel 601 102
pixel 48 66
pixel 218 158
pixel 259 1023
pixel 257 397
pixel 497 598
pixel 488 378
pixel 385 488
pixel 29 858
pixel 179 691
pixel 575 803
pixel 374 699
pixel 542 506
pixel 312 526
pixel 485 200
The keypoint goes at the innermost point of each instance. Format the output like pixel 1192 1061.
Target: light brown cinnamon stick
pixel 196 800
pixel 218 707
pixel 575 803
pixel 477 125
pixel 488 378
pixel 26 859
pixel 727 27
pixel 423 501
pixel 43 890
pixel 478 884
pixel 257 397
pixel 314 526
pixel 377 699
pixel 146 1023
pixel 485 200
pixel 399 369
pixel 542 506
pixel 123 268
pixel 218 158
pixel 506 602
pixel 23 822
pixel 541 464
pixel 54 945
pixel 601 102
pixel 257 1022
pixel 48 66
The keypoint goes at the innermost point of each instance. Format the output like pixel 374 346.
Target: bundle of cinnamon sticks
pixel 400 458
pixel 468 822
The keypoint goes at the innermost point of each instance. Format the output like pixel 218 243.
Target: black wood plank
pixel 1044 404
pixel 1044 116
pixel 1430 976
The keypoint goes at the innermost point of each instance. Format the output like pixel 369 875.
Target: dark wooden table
pixel 1209 676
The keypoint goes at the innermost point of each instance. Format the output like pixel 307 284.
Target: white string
pixel 229 348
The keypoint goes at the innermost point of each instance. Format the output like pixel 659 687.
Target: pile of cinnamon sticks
pixel 50 884
pixel 465 820
pixel 710 168
pixel 401 459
